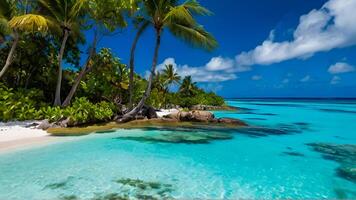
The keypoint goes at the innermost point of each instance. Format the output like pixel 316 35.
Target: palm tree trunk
pixel 57 98
pixel 11 55
pixel 82 73
pixel 132 62
pixel 130 115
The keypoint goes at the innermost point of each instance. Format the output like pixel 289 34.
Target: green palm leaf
pixel 29 23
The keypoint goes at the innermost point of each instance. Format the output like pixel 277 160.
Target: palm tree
pixel 10 22
pixel 178 18
pixel 142 25
pixel 66 15
pixel 188 87
pixel 106 16
pixel 170 75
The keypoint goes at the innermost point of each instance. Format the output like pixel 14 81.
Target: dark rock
pixel 232 121
pixel 209 107
pixel 149 112
pixel 192 116
pixel 32 125
pixel 203 116
pixel 65 123
pixel 45 124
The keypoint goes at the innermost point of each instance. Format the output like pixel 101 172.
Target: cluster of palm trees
pixel 64 19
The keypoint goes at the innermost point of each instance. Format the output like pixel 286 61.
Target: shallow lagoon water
pixel 255 163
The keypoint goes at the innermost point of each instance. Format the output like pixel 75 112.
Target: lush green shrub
pixel 19 105
pixel 82 111
pixel 28 105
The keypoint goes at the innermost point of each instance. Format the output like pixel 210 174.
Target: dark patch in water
pixel 302 123
pixel 344 154
pixel 293 153
pixel 338 111
pixel 111 196
pixel 180 138
pixel 255 118
pixel 69 197
pixel 147 189
pixel 279 129
pixel 277 104
pixel 59 185
pixel 339 137
pixel 266 114
pixel 261 131
pixel 55 186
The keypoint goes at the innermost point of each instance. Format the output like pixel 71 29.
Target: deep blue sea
pixel 269 160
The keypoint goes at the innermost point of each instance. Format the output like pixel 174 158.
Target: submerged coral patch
pixel 180 137
pixel 344 154
pixel 69 197
pixel 256 118
pixel 147 189
pixel 54 186
pixel 111 196
pixel 293 153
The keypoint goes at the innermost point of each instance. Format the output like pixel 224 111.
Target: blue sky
pixel 269 48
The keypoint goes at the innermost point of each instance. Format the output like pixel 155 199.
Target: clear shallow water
pixel 246 166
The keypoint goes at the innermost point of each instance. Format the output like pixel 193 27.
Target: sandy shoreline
pixel 21 135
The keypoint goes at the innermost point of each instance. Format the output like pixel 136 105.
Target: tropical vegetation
pixel 41 44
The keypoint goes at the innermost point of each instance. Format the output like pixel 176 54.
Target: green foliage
pixel 108 80
pixel 187 96
pixel 82 111
pixel 19 105
pixel 28 105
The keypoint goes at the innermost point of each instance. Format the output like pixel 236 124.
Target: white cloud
pixel 256 77
pixel 285 81
pixel 219 63
pixel 214 71
pixel 305 79
pixel 335 80
pixel 340 67
pixel 332 26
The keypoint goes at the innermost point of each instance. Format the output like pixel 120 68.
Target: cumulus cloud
pixel 214 71
pixel 340 67
pixel 335 80
pixel 332 26
pixel 305 79
pixel 256 77
pixel 219 63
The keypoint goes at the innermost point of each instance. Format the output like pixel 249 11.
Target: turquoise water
pixel 269 162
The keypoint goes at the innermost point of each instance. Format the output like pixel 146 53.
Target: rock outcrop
pixel 207 107
pixel 203 116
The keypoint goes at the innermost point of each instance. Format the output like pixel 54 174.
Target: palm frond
pixel 195 8
pixel 194 35
pixel 179 13
pixel 29 23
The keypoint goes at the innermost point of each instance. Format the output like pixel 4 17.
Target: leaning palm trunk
pixel 132 62
pixel 57 100
pixel 11 55
pixel 82 73
pixel 130 115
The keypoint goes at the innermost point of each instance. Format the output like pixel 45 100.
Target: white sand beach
pixel 19 135
pixel 164 112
